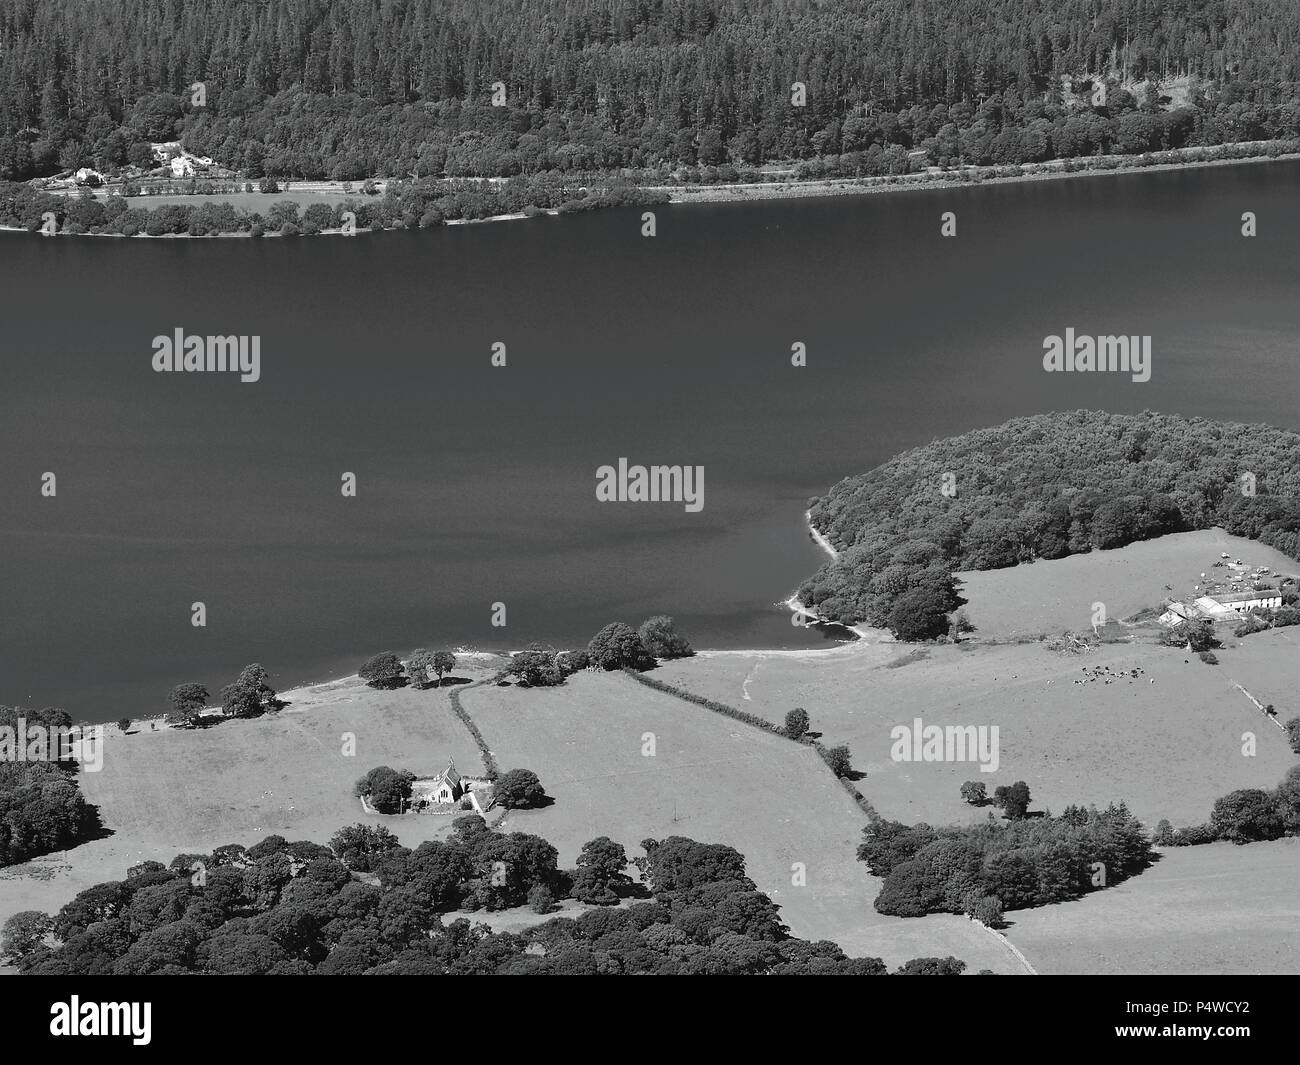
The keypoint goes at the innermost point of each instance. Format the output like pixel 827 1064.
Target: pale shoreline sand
pixel 799 610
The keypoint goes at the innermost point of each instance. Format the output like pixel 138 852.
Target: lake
pixel 476 484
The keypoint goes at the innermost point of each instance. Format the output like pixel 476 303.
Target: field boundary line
pixel 756 722
pixel 1009 945
pixel 1259 706
pixel 490 767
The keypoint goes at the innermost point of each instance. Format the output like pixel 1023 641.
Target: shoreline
pixel 300 691
pixel 818 538
pixel 303 691
pixel 1051 170
pixel 271 233
pixel 864 634
pixel 818 188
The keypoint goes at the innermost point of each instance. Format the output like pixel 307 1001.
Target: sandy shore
pixel 817 536
pixel 864 633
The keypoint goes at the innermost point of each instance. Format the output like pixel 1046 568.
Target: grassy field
pixel 1214 909
pixel 1129 721
pixel 1167 748
pixel 713 780
pixel 1048 597
pixel 173 791
pixel 176 791
pixel 1077 728
pixel 251 201
pixel 1167 742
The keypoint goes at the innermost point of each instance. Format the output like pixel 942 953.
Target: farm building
pixel 1267 599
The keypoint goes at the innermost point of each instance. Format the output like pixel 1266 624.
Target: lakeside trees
pixel 424 662
pixel 618 646
pixel 251 694
pixel 661 639
pixel 419 676
pixel 536 667
pixel 345 89
pixel 443 663
pixel 186 701
pixel 405 205
pixel 1044 486
pixel 383 670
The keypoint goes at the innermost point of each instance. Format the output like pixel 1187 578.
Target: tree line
pixel 298 908
pixel 405 205
pixel 616 646
pixel 984 869
pixel 41 805
pixel 1248 815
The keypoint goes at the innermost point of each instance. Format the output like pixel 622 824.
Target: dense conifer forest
pixel 347 89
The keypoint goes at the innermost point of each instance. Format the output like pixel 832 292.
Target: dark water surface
pixel 477 485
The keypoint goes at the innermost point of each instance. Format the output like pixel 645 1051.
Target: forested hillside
pixel 350 88
pixel 1044 487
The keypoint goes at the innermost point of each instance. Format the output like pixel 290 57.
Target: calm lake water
pixel 476 484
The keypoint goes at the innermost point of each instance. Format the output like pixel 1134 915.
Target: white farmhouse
pixel 1267 599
